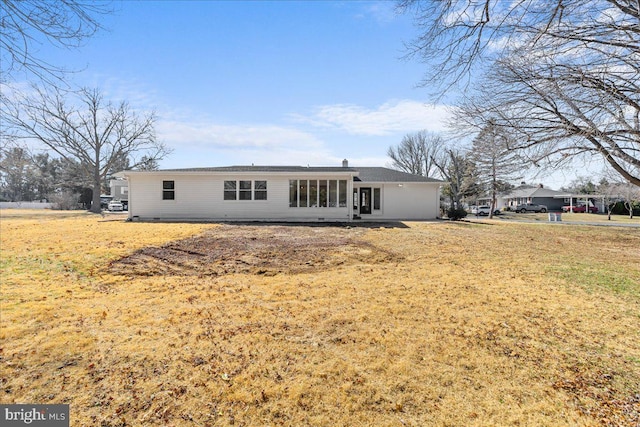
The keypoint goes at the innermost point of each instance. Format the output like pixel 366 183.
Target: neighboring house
pixel 281 193
pixel 119 189
pixel 536 194
pixel 597 200
pixel 485 200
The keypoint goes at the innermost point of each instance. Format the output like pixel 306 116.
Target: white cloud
pixel 358 133
pixel 206 133
pixel 200 141
pixel 390 117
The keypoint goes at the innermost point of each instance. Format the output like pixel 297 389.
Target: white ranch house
pixel 282 193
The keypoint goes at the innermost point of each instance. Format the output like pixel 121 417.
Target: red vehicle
pixel 581 208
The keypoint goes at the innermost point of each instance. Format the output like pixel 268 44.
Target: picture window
pixel 245 190
pixel 314 193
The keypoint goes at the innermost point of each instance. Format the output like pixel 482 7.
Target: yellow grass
pixel 462 324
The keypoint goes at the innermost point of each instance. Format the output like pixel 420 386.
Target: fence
pixel 25 205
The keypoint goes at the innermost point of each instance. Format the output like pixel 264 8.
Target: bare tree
pixel 416 152
pixel 557 113
pixel 581 185
pixel 460 36
pixel 630 195
pixel 27 24
pixel 82 126
pixel 562 75
pixel 494 160
pixel 459 172
pixel 147 163
pixel 610 196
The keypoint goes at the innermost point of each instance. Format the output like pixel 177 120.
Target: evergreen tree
pixel 16 175
pixel 495 160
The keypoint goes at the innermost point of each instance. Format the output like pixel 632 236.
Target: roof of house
pixel 379 174
pixel 364 174
pixel 263 169
pixel 531 191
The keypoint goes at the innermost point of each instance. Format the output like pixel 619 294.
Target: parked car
pixel 530 207
pixel 483 210
pixel 114 205
pixel 104 201
pixel 579 208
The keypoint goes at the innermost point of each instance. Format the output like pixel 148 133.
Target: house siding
pixel 406 201
pixel 201 197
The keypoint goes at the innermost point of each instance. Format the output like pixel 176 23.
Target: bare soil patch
pixel 261 249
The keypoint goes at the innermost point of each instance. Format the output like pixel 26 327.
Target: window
pixel 323 193
pixel 313 193
pixel 333 193
pixel 168 190
pixel 303 193
pixel 376 199
pixel 260 190
pixel 245 190
pixel 293 193
pixel 342 194
pixel 230 190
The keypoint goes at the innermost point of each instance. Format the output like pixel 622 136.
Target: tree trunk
pixel 95 200
pixel 492 205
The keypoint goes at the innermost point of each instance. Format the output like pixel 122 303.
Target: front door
pixel 365 201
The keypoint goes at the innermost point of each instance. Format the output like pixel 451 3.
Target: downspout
pixel 129 210
pixel 350 199
pixel 438 192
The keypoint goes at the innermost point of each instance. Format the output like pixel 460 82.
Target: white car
pixel 483 210
pixel 115 206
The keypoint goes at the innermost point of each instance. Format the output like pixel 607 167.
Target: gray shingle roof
pixel 365 174
pixel 378 174
pixel 263 169
pixel 531 191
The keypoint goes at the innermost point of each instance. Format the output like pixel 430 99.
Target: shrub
pixel 456 214
pixel 64 201
pixel 620 209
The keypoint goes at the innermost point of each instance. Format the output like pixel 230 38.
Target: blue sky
pixel 265 83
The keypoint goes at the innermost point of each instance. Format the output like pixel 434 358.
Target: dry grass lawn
pixel 422 324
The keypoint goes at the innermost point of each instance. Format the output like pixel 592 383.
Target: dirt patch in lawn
pixel 260 249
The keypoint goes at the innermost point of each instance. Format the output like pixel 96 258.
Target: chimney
pixel 540 185
pixel 345 163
